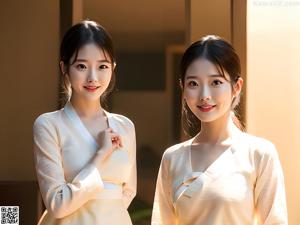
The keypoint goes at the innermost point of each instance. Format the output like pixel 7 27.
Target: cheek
pixel 190 95
pixel 75 76
pixel 76 81
pixel 105 77
pixel 223 95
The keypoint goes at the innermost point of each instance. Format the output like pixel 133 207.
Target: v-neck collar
pixel 214 168
pixel 81 128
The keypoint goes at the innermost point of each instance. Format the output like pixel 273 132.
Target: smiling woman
pixel 85 157
pixel 222 175
pixel 218 60
pixel 90 72
pixel 82 38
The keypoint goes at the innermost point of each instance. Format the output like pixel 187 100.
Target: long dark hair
pixel 82 33
pixel 223 56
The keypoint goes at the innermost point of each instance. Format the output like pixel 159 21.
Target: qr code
pixel 9 215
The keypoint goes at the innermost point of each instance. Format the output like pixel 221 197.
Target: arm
pixel 60 197
pixel 129 188
pixel 163 211
pixel 270 199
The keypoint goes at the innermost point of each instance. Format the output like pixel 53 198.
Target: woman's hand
pixel 108 142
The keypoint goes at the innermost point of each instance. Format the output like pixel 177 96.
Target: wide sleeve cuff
pixel 89 179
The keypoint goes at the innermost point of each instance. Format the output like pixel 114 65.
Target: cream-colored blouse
pixel 63 149
pixel 245 182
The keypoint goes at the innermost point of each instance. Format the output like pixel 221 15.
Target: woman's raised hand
pixel 108 141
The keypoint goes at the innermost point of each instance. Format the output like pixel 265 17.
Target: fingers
pixel 116 140
pixel 108 141
pixel 114 137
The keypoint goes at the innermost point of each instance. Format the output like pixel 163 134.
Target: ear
pixel 63 68
pixel 114 65
pixel 238 86
pixel 181 84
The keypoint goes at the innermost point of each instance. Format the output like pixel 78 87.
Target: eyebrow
pixel 211 75
pixel 84 60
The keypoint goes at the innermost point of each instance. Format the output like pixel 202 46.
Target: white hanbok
pixel 244 183
pixel 74 191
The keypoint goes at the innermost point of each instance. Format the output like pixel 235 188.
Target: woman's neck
pixel 86 109
pixel 217 132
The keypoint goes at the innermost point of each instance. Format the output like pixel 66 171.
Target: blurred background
pixel 149 38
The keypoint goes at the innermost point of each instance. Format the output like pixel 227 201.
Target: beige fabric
pixel 71 186
pixel 245 179
pixel 100 212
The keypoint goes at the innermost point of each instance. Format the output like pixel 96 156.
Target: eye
pixel 81 67
pixel 216 83
pixel 103 67
pixel 192 83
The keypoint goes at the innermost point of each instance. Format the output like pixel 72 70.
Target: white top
pixel 63 149
pixel 246 179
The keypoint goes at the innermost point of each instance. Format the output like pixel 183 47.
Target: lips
pixel 91 88
pixel 206 107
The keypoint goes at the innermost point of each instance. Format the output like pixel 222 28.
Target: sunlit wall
pixel 273 79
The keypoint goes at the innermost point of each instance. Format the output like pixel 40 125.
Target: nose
pixel 205 94
pixel 92 76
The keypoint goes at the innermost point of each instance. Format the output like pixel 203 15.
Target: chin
pixel 207 119
pixel 93 98
pixel 211 118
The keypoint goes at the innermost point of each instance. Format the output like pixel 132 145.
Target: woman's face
pixel 90 74
pixel 207 93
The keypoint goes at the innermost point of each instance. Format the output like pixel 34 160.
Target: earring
pixel 233 98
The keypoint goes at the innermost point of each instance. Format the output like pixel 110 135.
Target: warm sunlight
pixel 272 84
pixel 255 220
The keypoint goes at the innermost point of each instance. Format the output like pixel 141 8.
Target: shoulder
pixel 123 120
pixel 47 119
pixel 261 149
pixel 174 157
pixel 259 144
pixel 45 127
pixel 175 151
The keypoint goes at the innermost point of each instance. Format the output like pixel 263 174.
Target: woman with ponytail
pixel 222 175
pixel 85 156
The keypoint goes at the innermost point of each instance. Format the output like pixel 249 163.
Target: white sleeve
pixel 163 211
pixel 129 188
pixel 60 197
pixel 270 199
